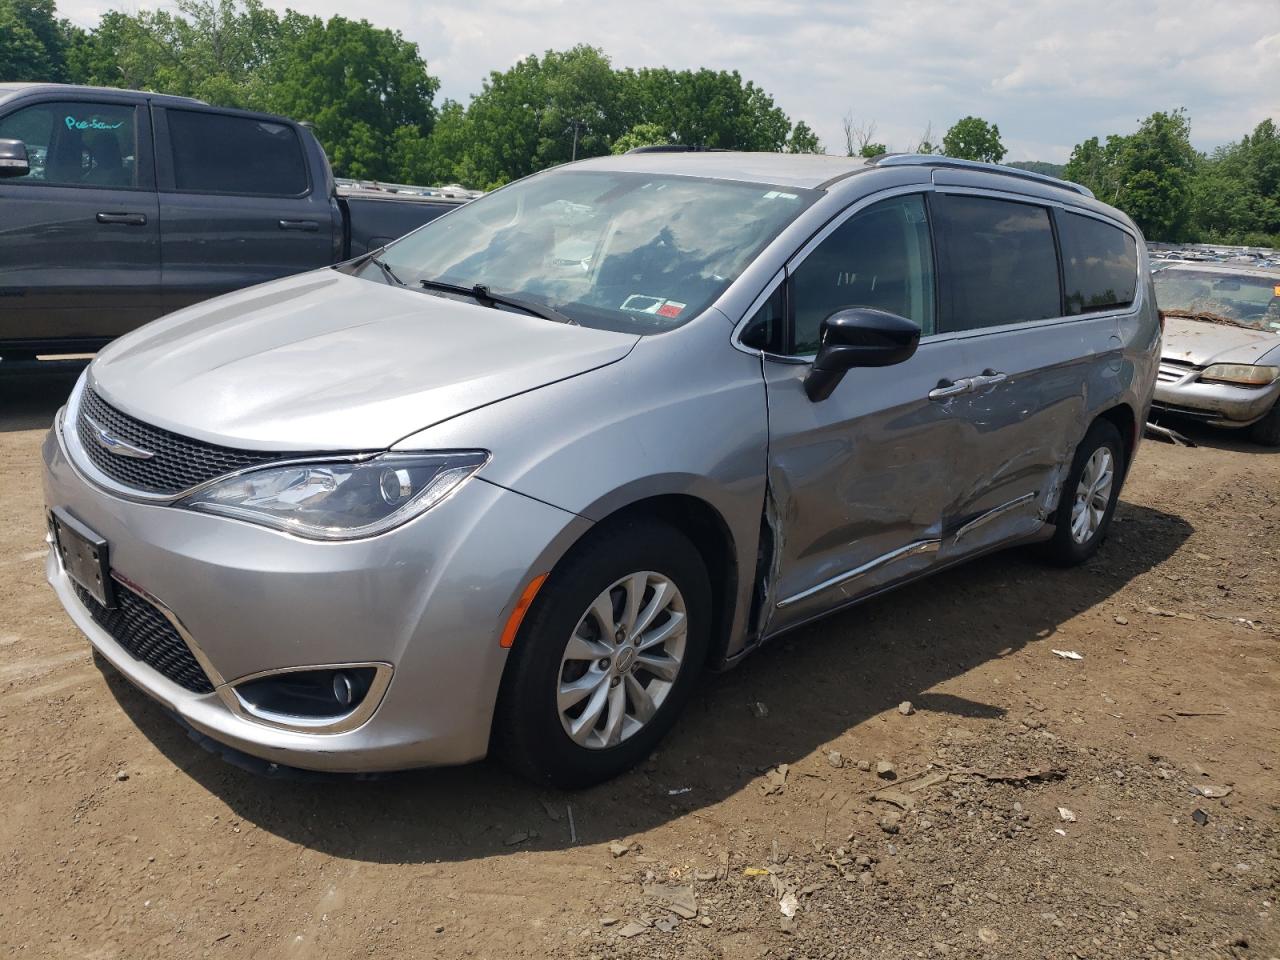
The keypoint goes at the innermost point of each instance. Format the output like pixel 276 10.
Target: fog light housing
pixel 328 699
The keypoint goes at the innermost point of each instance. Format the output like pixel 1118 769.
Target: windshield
pixel 1250 301
pixel 632 252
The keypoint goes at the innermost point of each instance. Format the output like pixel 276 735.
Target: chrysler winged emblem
pixel 113 444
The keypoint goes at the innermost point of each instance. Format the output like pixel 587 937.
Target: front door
pixel 861 482
pixel 79 239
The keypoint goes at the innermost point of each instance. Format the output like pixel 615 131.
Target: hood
pixel 326 361
pixel 1202 343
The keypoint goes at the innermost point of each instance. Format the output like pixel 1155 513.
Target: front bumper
pixel 429 598
pixel 1178 390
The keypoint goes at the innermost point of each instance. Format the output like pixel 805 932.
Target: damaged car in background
pixel 516 480
pixel 1221 358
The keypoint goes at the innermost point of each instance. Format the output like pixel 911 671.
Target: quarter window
pixel 879 258
pixel 997 262
pixel 76 144
pixel 216 153
pixel 1099 264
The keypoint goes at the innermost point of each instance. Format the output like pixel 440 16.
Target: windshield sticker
pixel 779 195
pixel 656 306
pixel 93 124
pixel 1276 292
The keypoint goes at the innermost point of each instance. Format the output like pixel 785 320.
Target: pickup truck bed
pixel 136 204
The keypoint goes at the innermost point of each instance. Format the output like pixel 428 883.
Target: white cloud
pixel 1049 73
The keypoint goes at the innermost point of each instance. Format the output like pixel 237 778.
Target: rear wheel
pixel 607 657
pixel 1267 430
pixel 1089 496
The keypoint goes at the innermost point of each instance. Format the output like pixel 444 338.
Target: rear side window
pixel 997 262
pixel 76 144
pixel 215 153
pixel 1099 264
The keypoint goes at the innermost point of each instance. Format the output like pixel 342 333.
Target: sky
pixel 1050 74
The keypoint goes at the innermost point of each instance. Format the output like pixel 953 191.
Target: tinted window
pixel 997 262
pixel 765 329
pixel 214 153
pixel 877 258
pixel 84 144
pixel 1099 264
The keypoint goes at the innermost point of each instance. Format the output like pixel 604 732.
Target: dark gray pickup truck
pixel 118 206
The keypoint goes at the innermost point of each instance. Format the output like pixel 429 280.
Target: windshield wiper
pixel 386 271
pixel 482 295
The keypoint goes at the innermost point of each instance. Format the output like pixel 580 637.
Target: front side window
pixel 879 257
pixel 997 262
pixel 635 252
pixel 1099 264
pixel 76 144
pixel 216 153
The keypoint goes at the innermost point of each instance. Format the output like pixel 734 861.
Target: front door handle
pixel 124 219
pixel 946 389
pixel 988 378
pixel 310 226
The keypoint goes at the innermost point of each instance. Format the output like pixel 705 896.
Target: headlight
pixel 1245 374
pixel 340 501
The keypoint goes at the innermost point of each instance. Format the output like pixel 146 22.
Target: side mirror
pixel 858 337
pixel 13 159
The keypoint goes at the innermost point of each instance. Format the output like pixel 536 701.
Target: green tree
pixel 803 140
pixel 359 86
pixel 641 135
pixel 972 138
pixel 705 108
pixel 870 150
pixel 34 43
pixel 1236 190
pixel 1147 174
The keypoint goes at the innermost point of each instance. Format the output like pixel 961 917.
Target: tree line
pixel 371 100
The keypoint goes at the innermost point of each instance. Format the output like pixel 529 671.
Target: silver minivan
pixel 512 482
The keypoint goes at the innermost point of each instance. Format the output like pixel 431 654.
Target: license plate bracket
pixel 84 555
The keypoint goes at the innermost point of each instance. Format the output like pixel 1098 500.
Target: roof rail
pixel 675 148
pixel 933 160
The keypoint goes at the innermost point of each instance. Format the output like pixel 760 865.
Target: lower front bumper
pixel 428 599
pixel 1219 404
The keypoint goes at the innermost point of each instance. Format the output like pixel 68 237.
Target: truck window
pixel 1099 264
pixel 76 144
pixel 216 153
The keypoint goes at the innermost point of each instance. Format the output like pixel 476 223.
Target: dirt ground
pixel 1042 807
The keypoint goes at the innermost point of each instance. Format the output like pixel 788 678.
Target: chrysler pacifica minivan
pixel 512 482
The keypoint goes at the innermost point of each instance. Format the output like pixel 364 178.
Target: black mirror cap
pixel 859 337
pixel 13 159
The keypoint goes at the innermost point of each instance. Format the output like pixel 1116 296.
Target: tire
pixel 531 733
pixel 1072 544
pixel 1267 430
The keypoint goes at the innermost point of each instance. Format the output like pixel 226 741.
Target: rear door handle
pixel 946 389
pixel 125 219
pixel 988 378
pixel 310 226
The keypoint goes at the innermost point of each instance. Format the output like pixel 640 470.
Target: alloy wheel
pixel 1093 494
pixel 622 660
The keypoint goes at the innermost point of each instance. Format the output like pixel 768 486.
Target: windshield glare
pixel 1249 300
pixel 632 252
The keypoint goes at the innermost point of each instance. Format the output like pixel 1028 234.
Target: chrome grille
pixel 178 463
pixel 1172 371
pixel 147 635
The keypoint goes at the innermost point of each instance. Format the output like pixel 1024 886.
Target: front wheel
pixel 606 658
pixel 1267 430
pixel 1089 496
